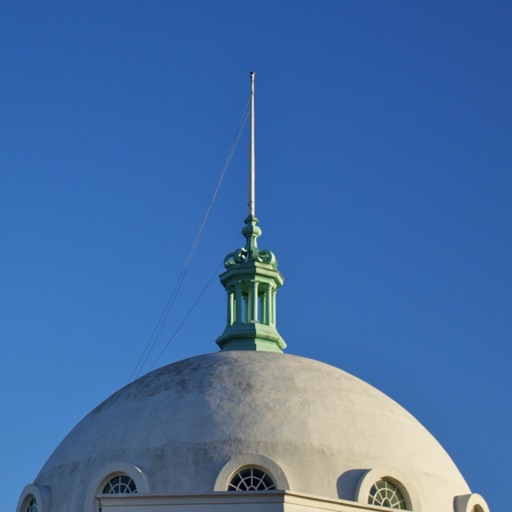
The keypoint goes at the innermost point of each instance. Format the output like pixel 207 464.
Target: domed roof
pixel 192 425
pixel 182 424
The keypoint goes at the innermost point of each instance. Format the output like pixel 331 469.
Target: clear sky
pixel 383 136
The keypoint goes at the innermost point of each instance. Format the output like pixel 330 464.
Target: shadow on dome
pixel 347 484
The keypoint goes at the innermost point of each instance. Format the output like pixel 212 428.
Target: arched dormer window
pixel 120 484
pixel 385 493
pixel 251 472
pixel 32 505
pixel 251 479
pixel 34 498
pixel 470 503
pixel 385 486
pixel 116 478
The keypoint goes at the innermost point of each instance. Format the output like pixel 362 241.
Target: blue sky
pixel 383 136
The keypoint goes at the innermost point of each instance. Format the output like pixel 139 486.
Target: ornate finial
pixel 251 252
pixel 251 281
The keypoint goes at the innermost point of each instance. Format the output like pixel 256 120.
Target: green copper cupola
pixel 251 281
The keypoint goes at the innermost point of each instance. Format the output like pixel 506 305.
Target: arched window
pixel 117 477
pixel 470 503
pixel 120 484
pixel 251 472
pixel 34 498
pixel 251 479
pixel 32 505
pixel 384 493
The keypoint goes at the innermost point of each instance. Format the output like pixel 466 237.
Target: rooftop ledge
pixel 228 501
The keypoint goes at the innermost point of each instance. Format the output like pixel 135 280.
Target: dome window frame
pixel 120 484
pixel 34 498
pixel 112 470
pixel 471 503
pixel 386 493
pixel 251 478
pixel 396 478
pixel 32 505
pixel 254 461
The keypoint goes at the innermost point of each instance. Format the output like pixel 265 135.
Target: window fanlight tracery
pixel 251 479
pixel 120 484
pixel 32 505
pixel 384 493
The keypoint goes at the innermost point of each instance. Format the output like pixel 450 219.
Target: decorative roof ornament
pixel 251 281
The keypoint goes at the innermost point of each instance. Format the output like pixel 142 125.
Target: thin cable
pixel 186 317
pixel 172 298
pixel 189 312
pixel 174 293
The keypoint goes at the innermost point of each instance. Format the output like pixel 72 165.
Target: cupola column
pixel 231 306
pixel 238 303
pixel 253 301
pixel 264 305
pixel 273 293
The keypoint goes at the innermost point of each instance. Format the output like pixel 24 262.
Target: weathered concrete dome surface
pixel 182 423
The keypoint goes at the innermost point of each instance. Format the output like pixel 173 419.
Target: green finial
pixel 251 281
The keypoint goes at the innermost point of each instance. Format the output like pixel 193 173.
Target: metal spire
pixel 252 164
pixel 251 281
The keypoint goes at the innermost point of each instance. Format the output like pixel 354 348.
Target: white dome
pixel 183 423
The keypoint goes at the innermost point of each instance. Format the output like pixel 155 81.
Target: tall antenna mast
pixel 252 165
